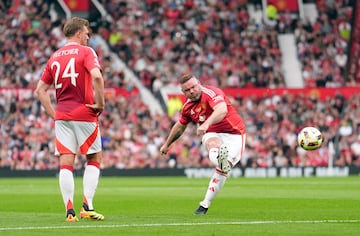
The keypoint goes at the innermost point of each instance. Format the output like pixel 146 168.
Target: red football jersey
pixel 69 70
pixel 200 110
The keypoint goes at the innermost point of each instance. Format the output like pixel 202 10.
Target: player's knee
pixel 213 143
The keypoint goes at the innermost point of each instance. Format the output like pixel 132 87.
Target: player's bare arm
pixel 98 83
pixel 44 97
pixel 176 131
pixel 220 111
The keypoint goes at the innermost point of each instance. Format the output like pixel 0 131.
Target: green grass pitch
pixel 165 206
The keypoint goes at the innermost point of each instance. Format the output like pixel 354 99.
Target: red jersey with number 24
pixel 69 70
pixel 200 110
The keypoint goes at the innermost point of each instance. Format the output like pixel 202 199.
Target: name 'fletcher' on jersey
pixel 66 52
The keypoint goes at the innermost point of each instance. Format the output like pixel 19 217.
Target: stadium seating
pixel 158 43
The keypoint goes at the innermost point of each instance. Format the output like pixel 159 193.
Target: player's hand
pixel 201 130
pixel 98 109
pixel 164 149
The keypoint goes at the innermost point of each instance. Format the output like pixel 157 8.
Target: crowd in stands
pixel 224 46
pixel 323 45
pixel 216 40
pixel 132 136
pixel 28 37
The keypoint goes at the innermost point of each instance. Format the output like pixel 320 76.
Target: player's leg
pixel 90 183
pixel 67 185
pixel 89 137
pixel 218 151
pixel 217 181
pixel 235 147
pixel 65 147
pixel 212 142
pixel 215 144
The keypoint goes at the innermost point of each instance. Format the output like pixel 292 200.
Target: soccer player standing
pixel 221 128
pixel 75 72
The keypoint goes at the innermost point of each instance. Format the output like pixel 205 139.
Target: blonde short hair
pixel 75 25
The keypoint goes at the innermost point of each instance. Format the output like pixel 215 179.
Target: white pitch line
pixel 179 224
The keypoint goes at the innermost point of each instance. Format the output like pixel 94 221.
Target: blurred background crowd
pixel 221 43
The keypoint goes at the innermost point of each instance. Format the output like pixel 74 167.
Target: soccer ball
pixel 310 138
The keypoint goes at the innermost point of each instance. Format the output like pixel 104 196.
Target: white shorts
pixel 234 142
pixel 74 136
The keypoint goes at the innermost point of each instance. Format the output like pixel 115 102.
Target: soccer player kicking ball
pixel 75 72
pixel 221 128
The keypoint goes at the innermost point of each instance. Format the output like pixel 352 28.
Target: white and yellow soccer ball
pixel 310 138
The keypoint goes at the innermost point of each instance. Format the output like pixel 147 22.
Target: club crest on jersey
pixel 198 109
pixel 201 118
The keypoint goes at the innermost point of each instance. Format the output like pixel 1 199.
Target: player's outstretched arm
pixel 176 131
